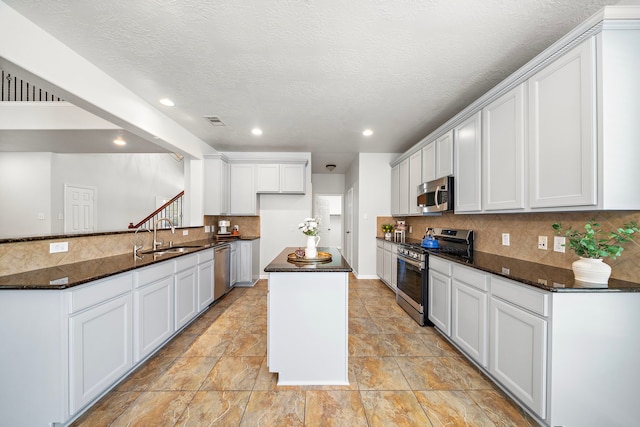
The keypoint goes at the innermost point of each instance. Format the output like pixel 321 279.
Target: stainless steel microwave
pixel 436 196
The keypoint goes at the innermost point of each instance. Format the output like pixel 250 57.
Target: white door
pixel 328 208
pixel 80 209
pixel 348 237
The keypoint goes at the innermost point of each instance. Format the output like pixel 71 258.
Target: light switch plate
pixel 506 241
pixel 558 243
pixel 185 232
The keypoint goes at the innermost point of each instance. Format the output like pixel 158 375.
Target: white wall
pixel 324 183
pixel 370 177
pixel 351 179
pixel 127 184
pixel 25 192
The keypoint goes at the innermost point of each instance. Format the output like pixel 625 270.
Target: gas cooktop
pixel 458 243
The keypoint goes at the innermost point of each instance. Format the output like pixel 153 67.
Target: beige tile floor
pixel 214 373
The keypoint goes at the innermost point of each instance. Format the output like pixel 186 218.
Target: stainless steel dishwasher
pixel 221 270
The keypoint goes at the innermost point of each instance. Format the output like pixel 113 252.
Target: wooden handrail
pixel 154 213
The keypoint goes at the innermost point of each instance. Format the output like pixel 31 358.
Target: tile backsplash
pixel 524 230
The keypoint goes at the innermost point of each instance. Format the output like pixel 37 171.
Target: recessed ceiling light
pixel 256 131
pixel 167 102
pixel 367 132
pixel 119 141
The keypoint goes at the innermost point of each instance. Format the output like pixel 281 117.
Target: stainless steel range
pixel 413 265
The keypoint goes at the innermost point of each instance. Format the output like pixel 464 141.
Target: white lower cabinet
pixel 439 291
pixel 233 257
pixel 186 290
pixel 387 263
pixel 100 348
pixel 205 279
pixel 469 312
pixel 519 353
pixel 244 262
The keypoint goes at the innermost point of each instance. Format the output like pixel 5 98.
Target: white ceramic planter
pixel 591 270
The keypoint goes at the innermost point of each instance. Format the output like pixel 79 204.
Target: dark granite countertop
pixel 69 275
pixel 281 263
pixel 546 277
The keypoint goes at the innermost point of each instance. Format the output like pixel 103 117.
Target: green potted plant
pixel 387 229
pixel 592 245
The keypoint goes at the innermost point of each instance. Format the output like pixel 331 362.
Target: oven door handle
pixel 413 262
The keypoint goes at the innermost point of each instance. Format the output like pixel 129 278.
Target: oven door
pixel 411 280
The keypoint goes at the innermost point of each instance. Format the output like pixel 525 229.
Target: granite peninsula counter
pixel 307 320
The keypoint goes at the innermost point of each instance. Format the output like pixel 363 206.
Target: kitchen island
pixel 307 319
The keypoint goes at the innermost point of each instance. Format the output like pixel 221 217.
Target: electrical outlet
pixel 410 229
pixel 185 232
pixel 41 216
pixel 505 239
pixel 505 270
pixel 58 247
pixel 542 242
pixel 207 229
pixel 558 243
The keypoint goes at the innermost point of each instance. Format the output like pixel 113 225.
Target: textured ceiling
pixel 311 73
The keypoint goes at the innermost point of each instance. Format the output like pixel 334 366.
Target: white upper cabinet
pixel 562 134
pixel 281 178
pixel 268 178
pixel 503 151
pixel 429 162
pixel 242 193
pixel 444 155
pixel 395 190
pixel 415 179
pixel 404 188
pixel 216 186
pixel 468 139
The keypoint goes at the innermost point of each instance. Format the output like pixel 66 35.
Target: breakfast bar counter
pixel 307 319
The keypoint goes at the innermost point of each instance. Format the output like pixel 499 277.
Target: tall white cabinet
pixel 468 158
pixel 503 144
pixel 562 131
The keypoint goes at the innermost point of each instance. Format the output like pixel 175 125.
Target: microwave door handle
pixel 435 197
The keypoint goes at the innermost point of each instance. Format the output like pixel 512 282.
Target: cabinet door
pixel 562 138
pixel 503 152
pixel 395 190
pixel 186 294
pixel 404 187
pixel 234 263
pixel 468 159
pixel 429 162
pixel 152 316
pixel 216 187
pixel 267 178
pixel 440 301
pixel 518 353
pixel 242 192
pixel 415 179
pixel 469 320
pixel 394 267
pixel 244 262
pixel 100 349
pixel 386 276
pixel 444 155
pixel 292 178
pixel 380 260
pixel 205 285
pixel 224 188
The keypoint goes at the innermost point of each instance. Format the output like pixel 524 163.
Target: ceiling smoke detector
pixel 214 120
pixel 331 167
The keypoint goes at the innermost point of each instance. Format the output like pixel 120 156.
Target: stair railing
pixel 173 209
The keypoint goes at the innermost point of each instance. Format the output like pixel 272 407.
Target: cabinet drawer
pixel 204 256
pixel 380 243
pixel 186 261
pixel 99 291
pixel 153 273
pixel 471 277
pixel 440 265
pixel 527 298
pixel 388 246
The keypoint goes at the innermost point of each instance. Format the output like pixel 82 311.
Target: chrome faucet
pixel 136 248
pixel 156 243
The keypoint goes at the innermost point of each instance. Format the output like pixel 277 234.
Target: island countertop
pixel 281 263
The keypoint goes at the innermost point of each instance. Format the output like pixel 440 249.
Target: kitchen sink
pixel 171 250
